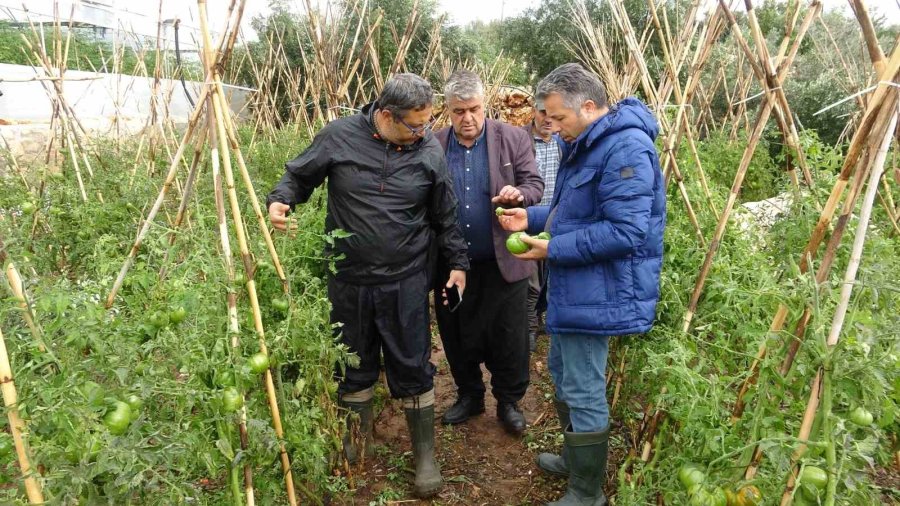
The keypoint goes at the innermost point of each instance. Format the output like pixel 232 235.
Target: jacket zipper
pixel 387 147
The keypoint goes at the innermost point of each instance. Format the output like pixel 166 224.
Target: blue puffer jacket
pixel 610 211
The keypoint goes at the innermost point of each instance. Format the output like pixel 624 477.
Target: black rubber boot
pixel 421 430
pixel 550 462
pixel 586 458
pixel 360 425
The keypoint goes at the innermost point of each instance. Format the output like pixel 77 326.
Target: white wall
pixel 113 104
pixel 107 97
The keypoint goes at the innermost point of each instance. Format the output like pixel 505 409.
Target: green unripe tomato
pixel 515 245
pixel 177 315
pixel 118 420
pixel 231 400
pixel 135 402
pixel 258 363
pixel 815 476
pixel 691 475
pixel 280 305
pixel 861 416
pixel 159 319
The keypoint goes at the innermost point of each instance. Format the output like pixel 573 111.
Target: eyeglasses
pixel 422 130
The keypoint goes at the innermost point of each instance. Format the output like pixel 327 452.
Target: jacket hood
pixel 628 113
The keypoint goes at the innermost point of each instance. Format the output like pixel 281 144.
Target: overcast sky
pixel 459 11
pixel 465 11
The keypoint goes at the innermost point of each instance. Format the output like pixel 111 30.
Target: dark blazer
pixel 511 162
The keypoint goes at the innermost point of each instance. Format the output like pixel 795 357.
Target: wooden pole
pixel 17 426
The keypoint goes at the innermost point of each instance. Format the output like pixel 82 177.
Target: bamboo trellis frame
pixel 651 423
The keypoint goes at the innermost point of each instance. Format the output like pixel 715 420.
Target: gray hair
pixel 574 84
pixel 463 85
pixel 405 92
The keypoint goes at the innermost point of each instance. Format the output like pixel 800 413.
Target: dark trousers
pixel 490 326
pixel 536 284
pixel 390 317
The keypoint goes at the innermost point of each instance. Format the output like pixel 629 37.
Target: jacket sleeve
pixel 625 196
pixel 528 181
pixel 304 173
pixel 442 211
pixel 537 219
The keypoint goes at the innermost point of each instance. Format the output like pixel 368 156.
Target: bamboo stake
pixel 216 113
pixel 254 302
pixel 887 202
pixel 248 183
pixel 17 426
pixel 231 298
pixel 869 35
pixel 860 238
pixel 619 376
pixel 18 290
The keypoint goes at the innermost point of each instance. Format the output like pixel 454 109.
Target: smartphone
pixel 454 298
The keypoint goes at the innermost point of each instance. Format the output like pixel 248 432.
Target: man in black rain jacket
pixel 388 186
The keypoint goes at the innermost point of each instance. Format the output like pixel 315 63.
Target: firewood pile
pixel 513 106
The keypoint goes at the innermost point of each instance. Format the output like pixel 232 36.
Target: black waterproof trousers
pixel 390 318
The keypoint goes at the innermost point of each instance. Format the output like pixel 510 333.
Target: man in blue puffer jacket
pixel 604 258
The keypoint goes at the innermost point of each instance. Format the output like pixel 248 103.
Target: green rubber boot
pixel 551 463
pixel 586 454
pixel 360 425
pixel 421 430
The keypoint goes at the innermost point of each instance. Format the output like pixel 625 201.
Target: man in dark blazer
pixel 492 164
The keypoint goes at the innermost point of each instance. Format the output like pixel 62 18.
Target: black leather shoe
pixel 532 342
pixel 465 408
pixel 512 418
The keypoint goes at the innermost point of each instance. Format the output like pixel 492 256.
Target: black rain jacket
pixel 394 200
